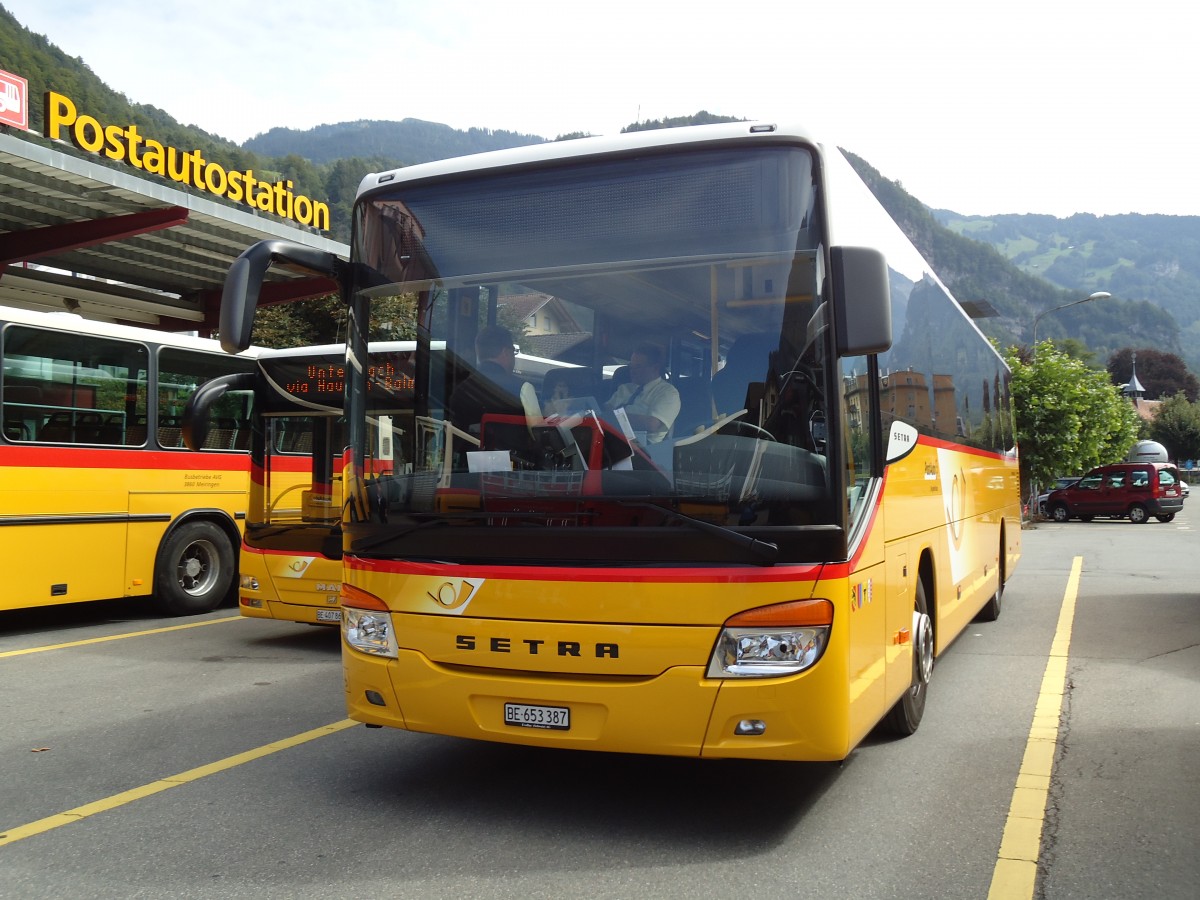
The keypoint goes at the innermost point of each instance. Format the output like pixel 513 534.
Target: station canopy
pixel 80 237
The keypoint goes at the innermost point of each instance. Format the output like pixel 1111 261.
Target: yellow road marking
pixel 49 823
pixel 1015 875
pixel 118 637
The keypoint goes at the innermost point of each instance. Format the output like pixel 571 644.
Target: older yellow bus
pixel 99 498
pixel 759 548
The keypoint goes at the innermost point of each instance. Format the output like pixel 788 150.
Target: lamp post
pixel 1099 295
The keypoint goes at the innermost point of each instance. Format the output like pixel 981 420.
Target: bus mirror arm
pixel 196 415
pixel 244 281
pixel 862 307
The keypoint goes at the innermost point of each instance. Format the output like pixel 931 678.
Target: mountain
pixel 408 141
pixel 1136 257
pixel 977 270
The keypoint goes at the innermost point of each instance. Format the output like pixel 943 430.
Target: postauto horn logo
pixel 14 100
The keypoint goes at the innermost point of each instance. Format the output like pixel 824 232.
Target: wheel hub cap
pixel 923 646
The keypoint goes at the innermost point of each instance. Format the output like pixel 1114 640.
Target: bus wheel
pixel 991 609
pixel 905 716
pixel 195 570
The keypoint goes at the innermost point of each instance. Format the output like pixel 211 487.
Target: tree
pixel 1176 426
pixel 1161 374
pixel 322 320
pixel 1069 418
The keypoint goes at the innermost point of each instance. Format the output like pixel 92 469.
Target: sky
pixel 1025 106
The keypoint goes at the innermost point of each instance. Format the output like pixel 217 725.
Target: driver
pixel 492 388
pixel 650 402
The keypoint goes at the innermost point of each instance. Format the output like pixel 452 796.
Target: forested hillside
pixel 408 141
pixel 977 271
pixel 1135 257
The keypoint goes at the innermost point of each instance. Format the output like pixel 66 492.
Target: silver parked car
pixel 1061 481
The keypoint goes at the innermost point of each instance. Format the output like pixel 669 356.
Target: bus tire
pixel 194 571
pixel 991 609
pixel 903 718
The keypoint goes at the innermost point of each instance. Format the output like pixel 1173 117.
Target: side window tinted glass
pixel 68 388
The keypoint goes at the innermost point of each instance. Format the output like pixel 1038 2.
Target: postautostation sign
pixel 124 143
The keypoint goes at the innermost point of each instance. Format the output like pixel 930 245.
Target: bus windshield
pixel 684 302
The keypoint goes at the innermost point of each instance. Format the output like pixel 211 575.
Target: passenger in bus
pixel 556 391
pixel 650 402
pixel 492 387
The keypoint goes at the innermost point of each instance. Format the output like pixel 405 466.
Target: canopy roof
pixel 115 247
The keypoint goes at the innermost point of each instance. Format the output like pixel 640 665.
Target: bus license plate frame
pixel 529 715
pixel 329 615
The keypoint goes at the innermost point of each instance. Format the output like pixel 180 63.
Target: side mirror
pixel 197 413
pixel 862 304
pixel 244 281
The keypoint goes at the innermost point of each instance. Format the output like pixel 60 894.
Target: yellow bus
pixel 759 547
pixel 98 496
pixel 290 566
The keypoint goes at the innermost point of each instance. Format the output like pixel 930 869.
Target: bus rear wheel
pixel 906 715
pixel 195 570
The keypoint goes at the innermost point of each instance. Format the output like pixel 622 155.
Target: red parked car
pixel 1135 490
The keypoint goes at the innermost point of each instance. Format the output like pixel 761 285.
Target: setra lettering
pixel 534 647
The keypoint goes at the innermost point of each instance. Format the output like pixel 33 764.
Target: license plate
pixel 329 615
pixel 557 718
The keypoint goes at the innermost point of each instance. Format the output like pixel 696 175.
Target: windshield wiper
pixel 766 552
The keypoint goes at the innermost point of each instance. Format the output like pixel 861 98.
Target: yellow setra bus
pixel 758 546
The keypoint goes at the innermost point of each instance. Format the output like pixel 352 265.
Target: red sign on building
pixel 14 100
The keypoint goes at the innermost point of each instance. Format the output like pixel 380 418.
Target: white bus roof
pixel 77 324
pixel 589 146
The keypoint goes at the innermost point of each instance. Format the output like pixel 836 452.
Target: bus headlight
pixel 369 632
pixel 772 641
pixel 367 623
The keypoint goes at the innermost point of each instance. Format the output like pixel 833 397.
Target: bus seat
pixel 620 376
pixel 135 434
pixel 242 440
pixel 221 435
pixel 747 362
pixel 581 382
pixel 15 429
pixel 695 406
pixel 57 428
pixel 112 430
pixel 170 432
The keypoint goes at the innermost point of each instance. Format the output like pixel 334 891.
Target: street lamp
pixel 1099 295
